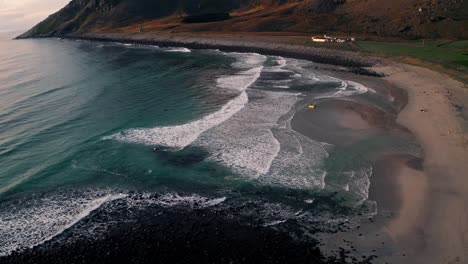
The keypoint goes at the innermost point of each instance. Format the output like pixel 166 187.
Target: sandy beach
pixel 426 198
pixel 433 218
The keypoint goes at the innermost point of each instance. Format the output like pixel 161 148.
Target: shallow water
pixel 85 124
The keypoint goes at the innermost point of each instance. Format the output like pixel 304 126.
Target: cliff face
pixel 402 18
pixel 76 15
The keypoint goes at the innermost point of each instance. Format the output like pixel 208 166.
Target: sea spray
pixel 46 218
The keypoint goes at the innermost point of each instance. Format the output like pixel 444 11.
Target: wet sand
pixel 423 202
pixel 400 188
pixel 339 121
pixel 348 120
pixel 433 220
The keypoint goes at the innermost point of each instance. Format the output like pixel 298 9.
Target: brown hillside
pixel 396 18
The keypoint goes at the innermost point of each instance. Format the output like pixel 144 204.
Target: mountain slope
pixel 401 18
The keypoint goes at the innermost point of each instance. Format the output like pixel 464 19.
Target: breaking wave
pixel 40 220
pixel 183 135
pixel 184 50
pixel 251 133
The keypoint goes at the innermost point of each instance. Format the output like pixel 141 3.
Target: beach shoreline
pixel 358 64
pixel 346 121
pixel 439 218
pixel 428 190
pixel 429 114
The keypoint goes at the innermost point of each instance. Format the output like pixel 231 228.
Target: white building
pixel 326 38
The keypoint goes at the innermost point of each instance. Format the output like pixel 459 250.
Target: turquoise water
pixel 83 124
pixel 59 99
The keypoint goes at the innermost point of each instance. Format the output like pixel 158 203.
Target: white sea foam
pixel 348 88
pixel 240 81
pixel 45 218
pixel 193 201
pixel 287 158
pixel 281 62
pixel 274 214
pixel 142 46
pixel 184 50
pixel 277 222
pixel 297 75
pixel 247 60
pixel 360 182
pixel 298 164
pixel 248 150
pixel 303 72
pixel 280 67
pixel 254 137
pixel 181 136
pixel 39 220
pixel 300 70
pixel 246 142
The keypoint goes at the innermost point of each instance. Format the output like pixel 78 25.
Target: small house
pixel 326 38
pixel 319 39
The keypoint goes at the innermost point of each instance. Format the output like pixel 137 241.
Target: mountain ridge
pixel 400 18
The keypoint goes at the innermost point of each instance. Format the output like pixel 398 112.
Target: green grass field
pixel 452 54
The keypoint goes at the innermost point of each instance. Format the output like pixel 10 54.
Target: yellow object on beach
pixel 312 106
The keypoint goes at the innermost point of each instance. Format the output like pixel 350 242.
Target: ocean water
pixel 86 124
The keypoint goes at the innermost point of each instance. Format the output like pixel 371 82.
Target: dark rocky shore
pixel 154 234
pixel 353 61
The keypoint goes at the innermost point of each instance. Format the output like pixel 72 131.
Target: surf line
pixel 180 136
